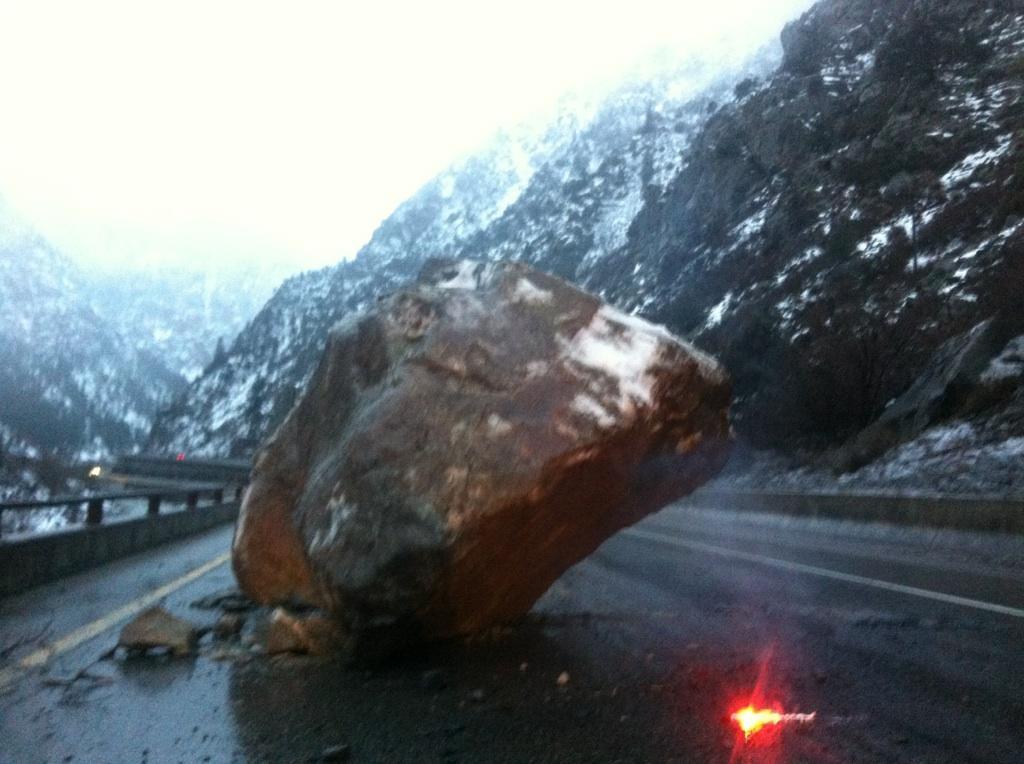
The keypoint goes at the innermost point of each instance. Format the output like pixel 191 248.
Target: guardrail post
pixel 192 500
pixel 218 496
pixel 238 492
pixel 154 505
pixel 94 512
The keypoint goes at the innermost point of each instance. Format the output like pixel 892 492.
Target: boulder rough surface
pixel 310 634
pixel 156 628
pixel 464 443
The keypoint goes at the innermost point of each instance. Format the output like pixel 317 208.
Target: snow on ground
pixel 752 225
pixel 876 241
pixel 717 313
pixel 952 458
pixel 842 72
pixel 949 458
pixel 232 407
pixel 970 164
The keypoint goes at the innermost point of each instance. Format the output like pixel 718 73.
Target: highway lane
pixel 906 642
pixel 63 608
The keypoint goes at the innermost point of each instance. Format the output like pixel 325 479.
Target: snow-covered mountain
pixel 561 197
pixel 181 314
pixel 89 354
pixel 69 382
pixel 824 227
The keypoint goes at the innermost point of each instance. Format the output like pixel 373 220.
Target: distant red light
pixel 180 457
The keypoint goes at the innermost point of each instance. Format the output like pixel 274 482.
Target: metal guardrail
pixel 94 504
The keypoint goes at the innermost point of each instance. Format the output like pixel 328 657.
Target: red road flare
pixel 752 720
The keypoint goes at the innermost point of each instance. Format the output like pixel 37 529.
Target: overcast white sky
pixel 198 131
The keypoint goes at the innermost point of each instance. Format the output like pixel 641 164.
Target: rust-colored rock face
pixel 467 441
pixel 156 628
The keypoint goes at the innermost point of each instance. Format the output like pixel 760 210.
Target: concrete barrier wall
pixel 29 562
pixel 969 513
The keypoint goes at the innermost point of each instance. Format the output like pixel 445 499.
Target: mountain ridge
pixel 823 228
pixel 575 168
pixel 69 383
pixel 88 355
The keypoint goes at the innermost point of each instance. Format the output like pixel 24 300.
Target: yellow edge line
pixel 83 634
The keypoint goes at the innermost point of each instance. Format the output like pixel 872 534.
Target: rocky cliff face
pixel 842 219
pixel 824 230
pixel 69 381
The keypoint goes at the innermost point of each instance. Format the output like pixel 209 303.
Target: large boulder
pixel 465 442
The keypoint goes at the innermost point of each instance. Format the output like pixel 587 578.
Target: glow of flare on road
pixel 752 720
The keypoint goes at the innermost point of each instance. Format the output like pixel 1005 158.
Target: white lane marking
pixel 84 633
pixel 949 567
pixel 836 575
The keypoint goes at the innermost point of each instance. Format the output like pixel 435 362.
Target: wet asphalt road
pixel 908 645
